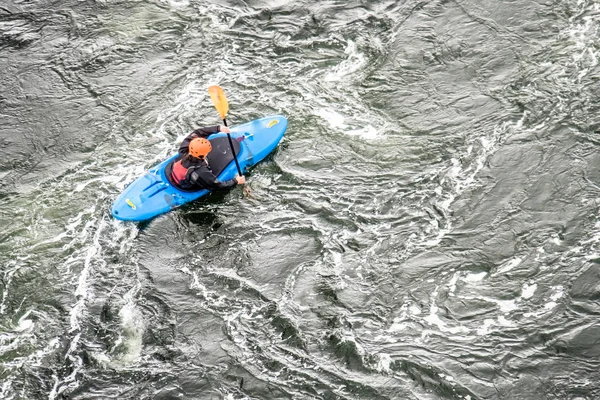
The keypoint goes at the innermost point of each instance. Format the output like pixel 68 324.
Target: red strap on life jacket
pixel 179 172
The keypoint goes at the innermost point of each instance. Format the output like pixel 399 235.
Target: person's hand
pixel 223 128
pixel 240 179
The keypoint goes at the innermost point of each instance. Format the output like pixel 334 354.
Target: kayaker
pixel 191 169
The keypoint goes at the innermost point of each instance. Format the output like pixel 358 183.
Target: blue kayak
pixel 154 193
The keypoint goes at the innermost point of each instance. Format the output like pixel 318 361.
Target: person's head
pixel 199 147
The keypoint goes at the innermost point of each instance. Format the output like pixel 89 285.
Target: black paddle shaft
pixel 232 150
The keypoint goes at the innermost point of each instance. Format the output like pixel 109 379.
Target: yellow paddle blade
pixel 218 98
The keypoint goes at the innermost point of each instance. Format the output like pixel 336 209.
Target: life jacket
pixel 179 175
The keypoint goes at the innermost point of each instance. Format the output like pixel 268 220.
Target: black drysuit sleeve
pixel 198 133
pixel 203 177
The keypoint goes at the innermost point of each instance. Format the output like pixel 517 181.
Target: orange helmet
pixel 199 147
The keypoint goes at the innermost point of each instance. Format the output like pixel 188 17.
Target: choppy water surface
pixel 428 228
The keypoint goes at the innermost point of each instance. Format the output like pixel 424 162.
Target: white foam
pixel 6 385
pixel 176 3
pixel 10 269
pixel 413 309
pixel 460 176
pixel 488 323
pixel 452 283
pixel 25 324
pixel 8 342
pixel 384 362
pixel 333 118
pixel 584 35
pixel 355 62
pixel 133 326
pixel 367 132
pixel 555 239
pixel 550 305
pixel 407 310
pixel 338 121
pixel 527 291
pixel 506 306
pixel 485 329
pixel 559 292
pixel 475 277
pixel 109 178
pixel 397 326
pixel 90 256
pixel 509 265
pixel 434 319
pixel 468 278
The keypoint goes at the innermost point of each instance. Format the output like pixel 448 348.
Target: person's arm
pixel 205 178
pixel 202 133
pixel 206 132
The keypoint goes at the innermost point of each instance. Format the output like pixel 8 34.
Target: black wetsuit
pixel 199 174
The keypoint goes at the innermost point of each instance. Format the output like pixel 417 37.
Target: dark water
pixel 428 228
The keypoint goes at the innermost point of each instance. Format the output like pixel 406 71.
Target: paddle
pixel 218 98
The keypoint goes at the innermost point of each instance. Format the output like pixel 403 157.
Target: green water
pixel 427 229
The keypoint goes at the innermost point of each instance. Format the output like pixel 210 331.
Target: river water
pixel 427 229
